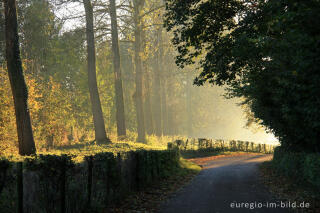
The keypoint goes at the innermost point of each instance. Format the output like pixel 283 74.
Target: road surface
pixel 226 184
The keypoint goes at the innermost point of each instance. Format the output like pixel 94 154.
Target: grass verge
pixel 289 189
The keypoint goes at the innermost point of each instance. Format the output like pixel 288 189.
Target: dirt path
pixel 223 181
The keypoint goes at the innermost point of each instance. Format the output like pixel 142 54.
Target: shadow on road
pixel 226 184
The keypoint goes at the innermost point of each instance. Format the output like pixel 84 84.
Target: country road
pixel 226 184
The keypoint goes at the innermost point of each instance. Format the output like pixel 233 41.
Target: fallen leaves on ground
pixel 204 160
pixel 150 199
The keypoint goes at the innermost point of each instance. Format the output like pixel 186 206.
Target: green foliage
pixel 301 166
pixel 49 165
pixel 311 168
pixel 106 177
pixel 48 178
pixel 188 166
pixel 4 166
pixel 44 175
pixel 54 64
pixel 291 164
pixel 8 192
pixel 265 51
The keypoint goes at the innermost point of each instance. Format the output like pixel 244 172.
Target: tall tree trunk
pixel 148 111
pixel 17 82
pixel 157 88
pixel 170 100
pixel 120 116
pixel 138 68
pixel 188 106
pixel 148 119
pixel 2 36
pixel 164 106
pixel 99 127
pixel 164 115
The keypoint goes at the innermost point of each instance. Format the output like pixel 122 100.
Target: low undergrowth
pixel 290 188
pixel 81 149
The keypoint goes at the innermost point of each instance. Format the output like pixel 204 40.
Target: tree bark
pixel 17 82
pixel 164 106
pixel 138 68
pixel 120 116
pixel 164 115
pixel 157 89
pixel 146 91
pixel 148 111
pixel 170 99
pixel 99 126
pixel 188 106
pixel 2 36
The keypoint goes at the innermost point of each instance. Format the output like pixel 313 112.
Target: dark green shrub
pixel 52 183
pixel 301 166
pixel 291 164
pixel 8 192
pixel 106 179
pixel 4 166
pixel 277 154
pixel 47 178
pixel 312 169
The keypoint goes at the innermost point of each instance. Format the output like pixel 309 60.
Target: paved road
pixel 224 181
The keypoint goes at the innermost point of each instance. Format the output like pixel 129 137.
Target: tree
pixel 2 33
pixel 147 92
pixel 148 109
pixel 138 4
pixel 266 52
pixel 99 127
pixel 17 82
pixel 120 116
pixel 157 85
pixel 189 105
pixel 163 67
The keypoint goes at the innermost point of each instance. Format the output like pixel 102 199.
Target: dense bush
pixel 53 183
pixel 8 192
pixel 4 166
pixel 312 169
pixel 301 166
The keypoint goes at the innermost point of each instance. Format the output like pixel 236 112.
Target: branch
pixel 152 10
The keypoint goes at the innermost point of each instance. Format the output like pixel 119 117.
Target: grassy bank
pixel 81 149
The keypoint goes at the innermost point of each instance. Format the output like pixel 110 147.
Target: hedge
pixel 209 145
pixel 302 166
pixel 52 183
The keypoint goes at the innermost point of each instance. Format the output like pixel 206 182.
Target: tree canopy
pixel 54 62
pixel 266 52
